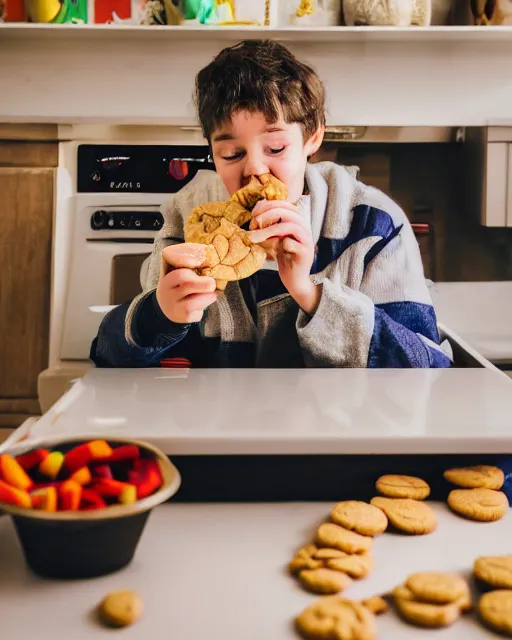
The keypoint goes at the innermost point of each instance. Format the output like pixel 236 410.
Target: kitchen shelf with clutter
pixel 288 19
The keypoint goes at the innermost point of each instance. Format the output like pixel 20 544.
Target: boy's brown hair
pixel 259 76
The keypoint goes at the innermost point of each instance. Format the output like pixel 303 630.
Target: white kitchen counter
pixel 302 411
pixel 219 572
pixel 480 313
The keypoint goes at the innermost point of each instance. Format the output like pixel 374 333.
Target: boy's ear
pixel 315 141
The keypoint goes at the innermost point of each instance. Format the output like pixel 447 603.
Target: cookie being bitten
pixel 230 253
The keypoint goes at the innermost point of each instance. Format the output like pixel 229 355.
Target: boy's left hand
pixel 279 228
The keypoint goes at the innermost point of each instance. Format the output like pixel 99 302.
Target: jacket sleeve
pixel 138 334
pixel 385 318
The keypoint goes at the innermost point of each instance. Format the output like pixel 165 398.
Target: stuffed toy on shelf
pixel 397 13
pixel 492 12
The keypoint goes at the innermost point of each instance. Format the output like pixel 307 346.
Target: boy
pixel 347 288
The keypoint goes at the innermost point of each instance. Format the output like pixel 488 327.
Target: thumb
pixel 186 255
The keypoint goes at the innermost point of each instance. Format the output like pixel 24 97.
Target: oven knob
pixel 98 219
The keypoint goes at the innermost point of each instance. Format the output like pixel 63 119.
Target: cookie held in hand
pixel 230 254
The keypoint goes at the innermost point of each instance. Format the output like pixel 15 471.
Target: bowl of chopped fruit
pixel 79 506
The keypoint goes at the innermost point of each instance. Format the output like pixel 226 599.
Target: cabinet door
pixel 496 185
pixel 509 186
pixel 26 212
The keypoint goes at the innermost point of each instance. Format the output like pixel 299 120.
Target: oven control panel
pixel 102 220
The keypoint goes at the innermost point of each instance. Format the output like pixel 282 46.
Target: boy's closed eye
pixel 241 154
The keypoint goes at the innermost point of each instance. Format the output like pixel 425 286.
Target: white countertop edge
pixel 399 445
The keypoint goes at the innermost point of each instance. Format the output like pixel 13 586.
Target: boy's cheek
pixel 232 181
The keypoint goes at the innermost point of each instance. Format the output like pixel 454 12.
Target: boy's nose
pixel 254 167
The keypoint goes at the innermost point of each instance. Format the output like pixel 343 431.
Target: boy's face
pixel 248 145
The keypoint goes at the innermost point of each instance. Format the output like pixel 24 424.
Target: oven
pixel 116 214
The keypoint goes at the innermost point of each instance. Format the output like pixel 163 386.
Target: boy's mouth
pixel 247 179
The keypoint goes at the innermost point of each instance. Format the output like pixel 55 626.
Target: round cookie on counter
pixel 120 608
pixel 483 505
pixel 336 537
pixel 335 617
pixel 495 610
pixel 494 572
pixel 360 517
pixel 400 486
pixel 478 476
pixel 406 515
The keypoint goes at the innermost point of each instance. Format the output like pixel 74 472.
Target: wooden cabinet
pixel 26 212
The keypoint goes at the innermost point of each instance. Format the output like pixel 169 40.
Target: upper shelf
pixel 381 77
pixel 466 34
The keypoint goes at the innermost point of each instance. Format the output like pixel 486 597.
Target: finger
pixel 274 216
pixel 289 245
pixel 280 231
pixel 198 302
pixel 188 281
pixel 185 255
pixel 266 205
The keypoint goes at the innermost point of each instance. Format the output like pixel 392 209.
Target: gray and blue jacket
pixel 375 309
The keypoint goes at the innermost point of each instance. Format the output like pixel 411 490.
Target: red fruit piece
pixel 70 495
pixel 91 500
pixel 102 471
pixel 83 454
pixel 32 459
pixel 13 473
pixel 109 488
pixel 125 452
pixel 146 476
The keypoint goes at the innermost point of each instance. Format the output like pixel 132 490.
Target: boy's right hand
pixel 182 294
